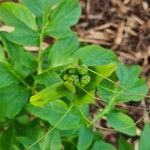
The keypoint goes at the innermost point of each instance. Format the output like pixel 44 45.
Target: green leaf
pixel 47 78
pixel 19 17
pixel 84 96
pixel 38 6
pixel 129 79
pixel 95 55
pixel 12 95
pixel 7 140
pixel 22 61
pixel 64 15
pixel 50 93
pixel 105 90
pixel 129 87
pixel 27 141
pixel 54 111
pixel 61 52
pixel 144 143
pixel 52 141
pixel 12 100
pixel 124 145
pixel 41 9
pixel 104 71
pixel 30 134
pixel 102 145
pixel 122 123
pixel 85 138
pixel 6 78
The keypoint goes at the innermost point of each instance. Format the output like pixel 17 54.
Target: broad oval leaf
pixel 19 17
pixel 64 15
pixel 95 55
pixel 39 6
pixel 131 86
pixel 54 111
pixel 12 100
pixel 122 123
pixel 61 52
pixel 85 138
pixel 98 145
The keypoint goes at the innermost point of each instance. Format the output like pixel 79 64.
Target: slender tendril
pixel 98 74
pixel 50 130
pixel 102 128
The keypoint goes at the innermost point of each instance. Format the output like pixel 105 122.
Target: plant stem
pixel 106 110
pixel 18 77
pixel 39 70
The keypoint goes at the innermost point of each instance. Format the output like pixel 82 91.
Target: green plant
pixel 45 95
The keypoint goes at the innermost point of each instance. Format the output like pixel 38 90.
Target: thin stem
pixel 106 110
pixel 116 83
pixel 50 130
pixel 19 78
pixel 91 122
pixel 102 128
pixel 39 70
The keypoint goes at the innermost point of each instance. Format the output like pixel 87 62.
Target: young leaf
pixel 54 111
pixel 81 97
pixel 144 143
pixel 105 71
pixel 50 93
pixel 129 79
pixel 38 7
pixel 41 9
pixel 47 78
pixel 61 52
pixel 64 15
pixel 102 145
pixel 19 17
pixel 122 123
pixel 97 55
pixel 85 138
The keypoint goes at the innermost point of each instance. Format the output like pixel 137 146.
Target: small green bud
pixel 77 82
pixel 65 77
pixel 72 77
pixel 85 79
pixel 72 70
pixel 82 69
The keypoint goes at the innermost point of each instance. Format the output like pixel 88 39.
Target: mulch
pixel 121 25
pixel 124 27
